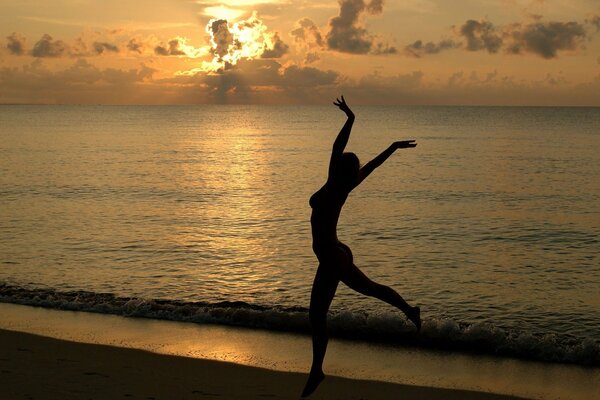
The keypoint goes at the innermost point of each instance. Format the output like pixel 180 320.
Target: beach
pixel 35 367
pixel 85 355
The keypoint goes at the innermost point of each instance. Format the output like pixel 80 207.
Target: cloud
pixel 308 33
pixel 101 47
pixel 481 35
pixel 466 88
pixel 259 81
pixel 48 47
pixel 314 57
pixel 81 82
pixel 96 43
pixel 248 39
pixel 171 49
pixel 16 44
pixel 375 88
pixel 136 45
pixel 375 7
pixel 545 39
pixel 307 77
pixel 269 82
pixel 270 73
pixel 276 49
pixel 346 31
pixel 418 48
pixel 221 37
pixel 82 71
pixel 383 48
pixel 178 46
pixel 594 20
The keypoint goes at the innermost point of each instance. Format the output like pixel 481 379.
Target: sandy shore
pixel 36 367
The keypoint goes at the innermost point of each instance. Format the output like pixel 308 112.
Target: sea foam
pixel 384 328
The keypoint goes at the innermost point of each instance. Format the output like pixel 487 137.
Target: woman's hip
pixel 333 252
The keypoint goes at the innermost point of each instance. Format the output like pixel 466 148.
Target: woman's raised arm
pixel 342 138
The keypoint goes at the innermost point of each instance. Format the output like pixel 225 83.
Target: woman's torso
pixel 326 206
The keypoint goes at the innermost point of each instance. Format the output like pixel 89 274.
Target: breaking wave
pixel 385 328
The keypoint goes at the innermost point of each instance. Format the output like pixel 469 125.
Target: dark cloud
pixel 16 44
pixel 383 48
pixel 270 73
pixel 307 32
pixel 278 49
pixel 375 7
pixel 419 49
pixel 481 35
pixel 171 49
pixel 545 39
pixel 594 20
pixel 135 45
pixel 307 77
pixel 346 32
pixel 101 47
pixel 48 47
pixel 82 71
pixel 258 80
pixel 267 81
pixel 384 89
pixel 81 82
pixel 313 57
pixel 222 38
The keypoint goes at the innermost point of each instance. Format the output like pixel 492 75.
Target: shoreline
pixel 277 353
pixel 387 329
pixel 37 367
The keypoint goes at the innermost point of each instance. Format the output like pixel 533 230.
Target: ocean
pixel 200 213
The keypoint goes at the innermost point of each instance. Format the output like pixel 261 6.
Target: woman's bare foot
pixel 415 316
pixel 314 380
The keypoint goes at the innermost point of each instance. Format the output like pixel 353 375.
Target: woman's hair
pixel 348 170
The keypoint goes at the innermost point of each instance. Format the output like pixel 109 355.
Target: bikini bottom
pixel 329 252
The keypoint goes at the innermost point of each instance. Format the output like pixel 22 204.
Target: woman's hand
pixel 404 144
pixel 343 106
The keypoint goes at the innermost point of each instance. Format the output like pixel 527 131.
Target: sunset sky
pixel 497 52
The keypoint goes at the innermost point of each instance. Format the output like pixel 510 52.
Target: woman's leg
pixel 323 290
pixel 355 279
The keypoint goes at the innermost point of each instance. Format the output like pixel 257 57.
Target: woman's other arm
pixel 380 159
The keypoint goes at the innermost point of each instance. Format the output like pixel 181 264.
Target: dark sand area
pixel 36 367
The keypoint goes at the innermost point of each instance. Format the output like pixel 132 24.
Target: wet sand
pixel 37 367
pixel 150 358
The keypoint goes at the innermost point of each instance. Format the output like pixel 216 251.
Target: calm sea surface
pixel 493 220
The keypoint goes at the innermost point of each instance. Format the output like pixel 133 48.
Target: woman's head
pixel 348 170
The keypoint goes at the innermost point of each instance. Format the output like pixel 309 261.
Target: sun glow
pixel 222 12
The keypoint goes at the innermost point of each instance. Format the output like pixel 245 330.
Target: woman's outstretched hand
pixel 343 106
pixel 404 144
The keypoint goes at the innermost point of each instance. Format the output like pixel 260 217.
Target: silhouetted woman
pixel 335 258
